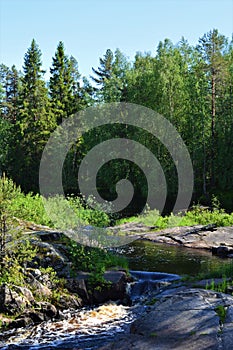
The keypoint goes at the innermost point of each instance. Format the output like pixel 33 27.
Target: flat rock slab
pixel 185 319
pixel 194 237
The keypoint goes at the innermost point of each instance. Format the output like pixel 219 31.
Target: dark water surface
pixel 150 256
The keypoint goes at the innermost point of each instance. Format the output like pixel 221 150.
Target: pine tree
pixel 12 94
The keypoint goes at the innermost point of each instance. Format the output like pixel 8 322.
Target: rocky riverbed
pixel 217 239
pixel 182 318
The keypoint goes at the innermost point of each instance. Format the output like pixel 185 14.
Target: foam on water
pixel 79 327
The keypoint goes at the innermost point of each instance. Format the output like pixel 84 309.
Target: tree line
pixel 192 86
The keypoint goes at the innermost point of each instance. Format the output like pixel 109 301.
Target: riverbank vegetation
pixel 18 210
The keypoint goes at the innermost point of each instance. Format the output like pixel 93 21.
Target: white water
pixel 79 327
pixel 87 328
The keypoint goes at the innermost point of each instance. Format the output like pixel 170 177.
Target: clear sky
pixel 89 27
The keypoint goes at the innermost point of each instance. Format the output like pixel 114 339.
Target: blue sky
pixel 89 27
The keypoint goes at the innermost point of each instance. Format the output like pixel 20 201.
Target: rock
pixel 39 289
pixel 37 316
pixel 222 251
pixel 69 302
pixel 185 319
pixel 116 290
pixel 12 302
pixel 46 236
pixel 131 227
pixel 78 286
pixel 49 255
pixel 21 322
pixel 25 292
pixel 219 240
pixel 47 309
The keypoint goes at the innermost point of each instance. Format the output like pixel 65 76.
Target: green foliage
pixel 191 86
pixel 222 312
pixel 200 216
pixel 30 208
pixel 15 249
pixel 197 216
pixel 87 215
pixel 94 260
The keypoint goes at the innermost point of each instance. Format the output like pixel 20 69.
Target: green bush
pixel 30 208
pixel 93 260
pixel 197 216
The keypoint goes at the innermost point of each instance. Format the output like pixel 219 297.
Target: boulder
pixel 22 321
pixel 69 302
pixel 78 286
pixel 38 288
pixel 115 290
pixel 47 309
pixel 49 255
pixel 223 251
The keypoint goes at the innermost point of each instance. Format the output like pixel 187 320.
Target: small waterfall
pixel 148 283
pixel 88 328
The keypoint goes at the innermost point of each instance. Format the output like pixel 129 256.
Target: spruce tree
pixel 64 86
pixel 34 123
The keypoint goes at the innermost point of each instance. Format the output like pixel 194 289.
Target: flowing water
pixel 153 265
pixel 85 329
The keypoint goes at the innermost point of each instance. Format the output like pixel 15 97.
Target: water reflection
pixel 150 256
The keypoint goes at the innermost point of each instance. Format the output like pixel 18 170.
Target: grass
pixel 196 216
pixel 221 312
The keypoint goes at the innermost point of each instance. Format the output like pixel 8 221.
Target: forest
pixel 191 86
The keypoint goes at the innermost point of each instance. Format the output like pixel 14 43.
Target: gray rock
pixel 25 292
pixel 11 302
pixel 38 288
pixel 184 319
pixel 219 240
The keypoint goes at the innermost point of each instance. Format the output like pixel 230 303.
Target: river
pixel 89 328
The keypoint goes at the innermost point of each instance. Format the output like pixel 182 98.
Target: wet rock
pixel 116 290
pixel 222 251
